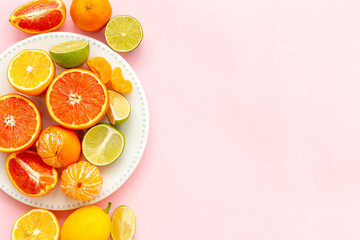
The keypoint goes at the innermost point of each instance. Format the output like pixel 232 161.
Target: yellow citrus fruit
pixel 58 146
pixel 123 224
pixel 31 71
pixel 36 224
pixel 85 223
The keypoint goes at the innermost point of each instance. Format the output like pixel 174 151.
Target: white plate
pixel 135 129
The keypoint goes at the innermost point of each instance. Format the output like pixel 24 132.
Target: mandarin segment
pixel 101 67
pixel 58 146
pixel 118 83
pixel 20 123
pixel 81 181
pixel 77 99
pixel 39 16
pixel 29 174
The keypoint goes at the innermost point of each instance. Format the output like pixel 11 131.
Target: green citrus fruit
pixel 123 33
pixel 119 110
pixel 70 54
pixel 103 144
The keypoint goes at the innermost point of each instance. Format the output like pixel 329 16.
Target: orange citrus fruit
pixel 39 16
pixel 20 123
pixel 118 83
pixel 81 181
pixel 90 15
pixel 58 146
pixel 29 174
pixel 31 71
pixel 77 99
pixel 101 67
pixel 36 224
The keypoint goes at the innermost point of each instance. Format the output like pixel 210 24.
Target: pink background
pixel 254 119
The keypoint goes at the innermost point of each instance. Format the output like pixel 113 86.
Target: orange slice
pixel 20 123
pixel 81 181
pixel 77 99
pixel 31 71
pixel 101 67
pixel 29 174
pixel 39 16
pixel 36 224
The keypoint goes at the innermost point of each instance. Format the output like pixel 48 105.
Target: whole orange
pixel 58 146
pixel 90 15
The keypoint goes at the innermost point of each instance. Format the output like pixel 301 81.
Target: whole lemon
pixel 87 223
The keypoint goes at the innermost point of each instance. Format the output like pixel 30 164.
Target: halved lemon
pixel 36 224
pixel 31 71
pixel 123 223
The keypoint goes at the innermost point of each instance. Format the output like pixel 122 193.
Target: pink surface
pixel 254 119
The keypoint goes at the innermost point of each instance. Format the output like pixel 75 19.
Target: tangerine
pixel 90 15
pixel 81 181
pixel 101 67
pixel 58 146
pixel 39 16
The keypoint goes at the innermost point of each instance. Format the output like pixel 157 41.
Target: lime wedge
pixel 70 54
pixel 123 33
pixel 103 144
pixel 119 110
pixel 123 223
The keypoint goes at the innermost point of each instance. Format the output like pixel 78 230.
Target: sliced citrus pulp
pixel 77 99
pixel 20 123
pixel 123 33
pixel 29 174
pixel 70 54
pixel 119 110
pixel 101 67
pixel 123 223
pixel 58 146
pixel 81 181
pixel 31 71
pixel 103 144
pixel 39 16
pixel 36 224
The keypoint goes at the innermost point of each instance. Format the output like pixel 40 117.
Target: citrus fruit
pixel 119 110
pixel 36 224
pixel 90 15
pixel 58 146
pixel 103 144
pixel 123 33
pixel 20 123
pixel 31 71
pixel 123 223
pixel 118 83
pixel 81 181
pixel 77 99
pixel 101 67
pixel 85 223
pixel 29 174
pixel 70 54
pixel 39 16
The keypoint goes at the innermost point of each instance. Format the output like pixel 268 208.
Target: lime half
pixel 123 33
pixel 70 54
pixel 103 144
pixel 119 110
pixel 123 223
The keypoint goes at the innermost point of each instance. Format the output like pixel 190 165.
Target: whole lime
pixel 85 223
pixel 70 54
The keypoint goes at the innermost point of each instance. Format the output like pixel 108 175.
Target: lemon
pixel 103 144
pixel 119 110
pixel 123 33
pixel 85 223
pixel 123 223
pixel 70 54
